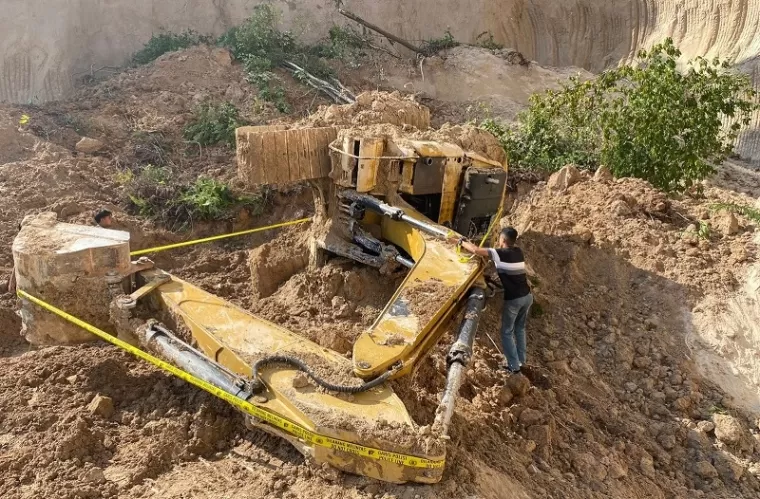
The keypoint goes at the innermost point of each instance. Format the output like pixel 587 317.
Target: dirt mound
pixel 371 108
pixel 81 451
pixel 330 305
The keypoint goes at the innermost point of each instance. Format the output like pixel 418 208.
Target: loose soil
pixel 620 397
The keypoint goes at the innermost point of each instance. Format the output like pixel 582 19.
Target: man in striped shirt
pixel 510 264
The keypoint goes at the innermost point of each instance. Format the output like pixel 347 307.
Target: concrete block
pixel 65 265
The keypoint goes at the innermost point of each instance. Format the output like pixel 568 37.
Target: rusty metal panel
pixel 326 136
pixel 275 155
pixel 281 166
pixel 371 149
pixel 452 173
pixel 268 173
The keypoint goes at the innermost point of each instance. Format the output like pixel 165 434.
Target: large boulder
pixel 89 146
pixel 563 179
pixel 731 432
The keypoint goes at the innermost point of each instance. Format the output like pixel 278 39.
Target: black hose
pixel 257 385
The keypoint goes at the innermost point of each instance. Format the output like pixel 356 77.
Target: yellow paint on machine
pixel 350 456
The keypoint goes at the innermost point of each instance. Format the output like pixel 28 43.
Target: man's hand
pixel 474 249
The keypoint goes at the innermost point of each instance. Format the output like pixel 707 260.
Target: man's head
pixel 104 218
pixel 508 237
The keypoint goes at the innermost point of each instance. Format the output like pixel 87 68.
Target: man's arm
pixel 474 249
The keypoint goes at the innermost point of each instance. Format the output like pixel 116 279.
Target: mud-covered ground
pixel 631 390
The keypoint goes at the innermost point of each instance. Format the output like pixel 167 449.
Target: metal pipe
pixel 394 213
pixel 187 358
pixel 458 359
pixel 406 262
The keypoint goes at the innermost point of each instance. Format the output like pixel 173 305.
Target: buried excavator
pixel 391 203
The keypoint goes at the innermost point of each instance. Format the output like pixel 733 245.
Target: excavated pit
pixel 641 341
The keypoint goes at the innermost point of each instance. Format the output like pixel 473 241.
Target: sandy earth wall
pixel 45 46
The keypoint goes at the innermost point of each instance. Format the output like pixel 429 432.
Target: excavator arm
pixel 391 204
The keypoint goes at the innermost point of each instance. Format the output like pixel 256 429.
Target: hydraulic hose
pixel 257 385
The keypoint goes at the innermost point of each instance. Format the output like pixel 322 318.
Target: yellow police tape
pixel 216 238
pixel 284 424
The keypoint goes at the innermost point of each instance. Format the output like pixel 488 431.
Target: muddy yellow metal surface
pixel 399 334
pixel 235 339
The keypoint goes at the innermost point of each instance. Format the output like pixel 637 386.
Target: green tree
pixel 649 120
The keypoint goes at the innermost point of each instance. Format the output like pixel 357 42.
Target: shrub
pixel 207 199
pixel 435 45
pixel 214 123
pixel 153 192
pixel 648 120
pixel 159 45
pixel 743 210
pixel 486 41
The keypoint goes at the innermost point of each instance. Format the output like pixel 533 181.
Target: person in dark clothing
pixel 510 265
pixel 104 218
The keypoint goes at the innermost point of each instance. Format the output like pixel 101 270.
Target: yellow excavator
pixel 391 203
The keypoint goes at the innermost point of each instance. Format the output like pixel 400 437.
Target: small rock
pixel 620 208
pixel 584 234
pixel 530 417
pixel 541 435
pixel 705 470
pixel 726 223
pixel 530 446
pixel 581 367
pixel 667 441
pixel 223 57
pixel 631 386
pixel 504 396
pixel 642 362
pixel 602 174
pixel 364 99
pixel 518 385
pixel 102 406
pixel 559 366
pixel 547 354
pixel 88 145
pixel 730 431
pixel 300 380
pixel 617 470
pixel 587 466
pixel 647 466
pixel 93 475
pixel 72 379
pixel 567 176
pixel 705 426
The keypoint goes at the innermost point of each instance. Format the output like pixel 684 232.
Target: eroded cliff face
pixel 45 47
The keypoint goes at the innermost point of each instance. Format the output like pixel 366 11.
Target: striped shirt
pixel 510 264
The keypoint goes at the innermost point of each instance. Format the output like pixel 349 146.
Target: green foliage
pixel 648 120
pixel 207 199
pixel 259 71
pixel 743 210
pixel 262 47
pixel 214 123
pixel 154 192
pixel 159 45
pixel 344 40
pixel 435 45
pixel 704 230
pixel 260 37
pixel 486 41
